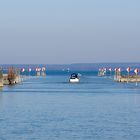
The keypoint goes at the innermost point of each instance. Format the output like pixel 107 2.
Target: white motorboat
pixel 74 78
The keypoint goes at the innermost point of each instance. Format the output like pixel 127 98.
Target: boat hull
pixel 76 80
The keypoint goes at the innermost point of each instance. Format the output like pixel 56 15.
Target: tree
pixel 11 75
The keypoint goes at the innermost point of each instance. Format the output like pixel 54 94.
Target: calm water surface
pixel 50 108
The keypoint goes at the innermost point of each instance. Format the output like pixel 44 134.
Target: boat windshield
pixel 74 75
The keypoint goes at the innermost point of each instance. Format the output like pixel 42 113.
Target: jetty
pixel 12 75
pixel 119 77
pixel 125 78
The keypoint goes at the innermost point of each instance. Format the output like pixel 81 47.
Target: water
pixel 50 108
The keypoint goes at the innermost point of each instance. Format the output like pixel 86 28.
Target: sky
pixel 69 31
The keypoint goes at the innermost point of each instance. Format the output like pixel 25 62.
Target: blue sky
pixel 74 31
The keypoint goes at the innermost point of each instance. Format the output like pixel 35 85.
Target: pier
pixel 134 77
pixel 131 78
pixel 12 75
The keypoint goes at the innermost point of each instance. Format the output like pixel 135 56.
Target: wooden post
pixel 136 72
pixel 128 77
pixel 128 70
pixel 136 79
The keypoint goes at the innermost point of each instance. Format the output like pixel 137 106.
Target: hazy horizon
pixel 67 32
pixel 72 63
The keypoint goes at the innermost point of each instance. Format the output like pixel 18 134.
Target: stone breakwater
pixel 119 76
pixel 124 78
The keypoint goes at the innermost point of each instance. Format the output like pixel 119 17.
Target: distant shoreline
pixel 76 66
